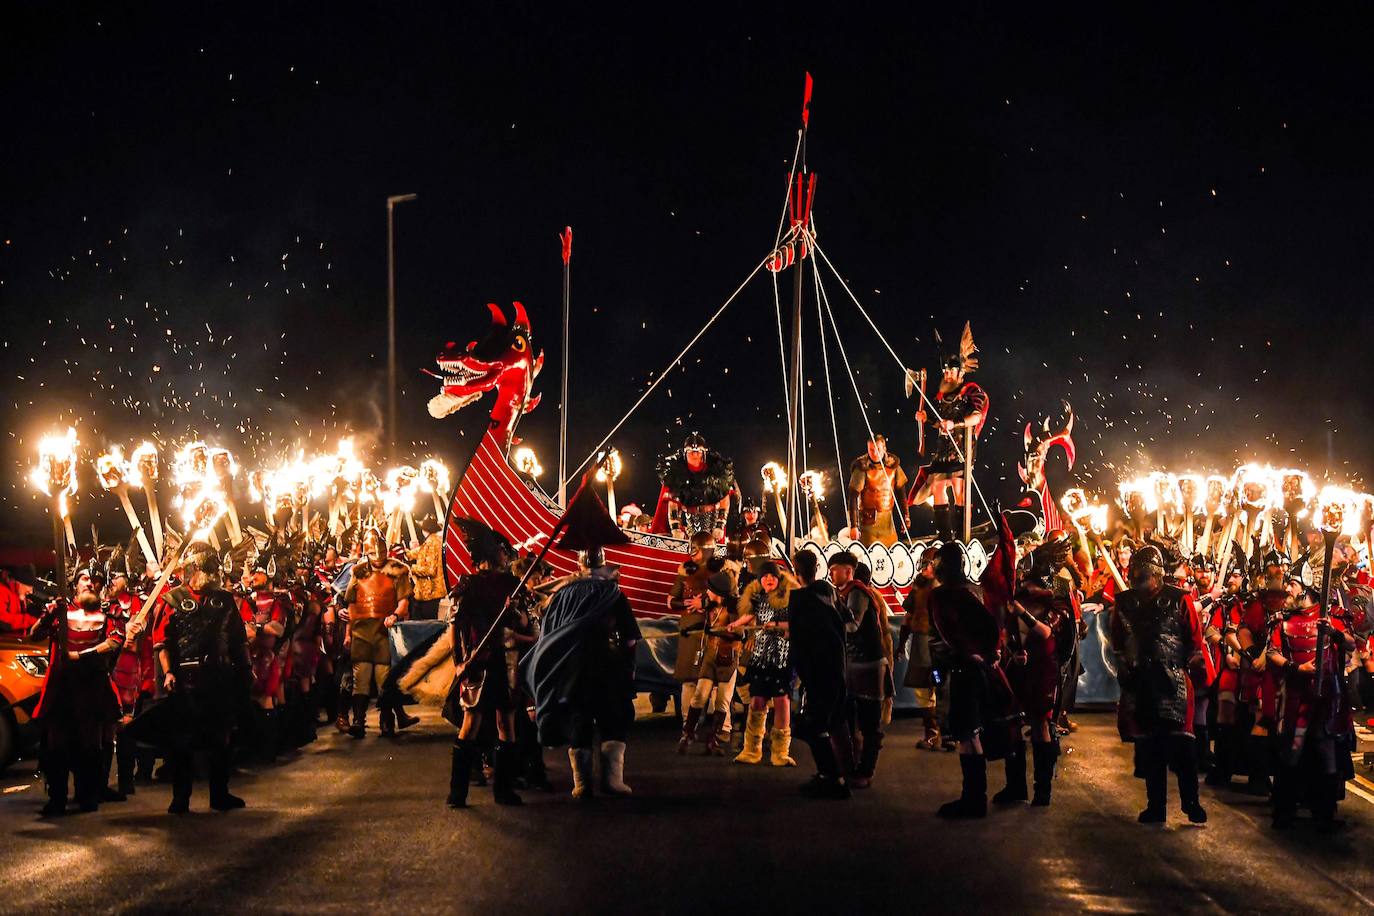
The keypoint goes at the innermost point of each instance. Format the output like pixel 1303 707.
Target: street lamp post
pixel 391 203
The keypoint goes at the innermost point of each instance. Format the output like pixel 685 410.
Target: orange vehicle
pixel 22 666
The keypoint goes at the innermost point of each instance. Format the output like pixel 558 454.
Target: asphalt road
pixel 355 826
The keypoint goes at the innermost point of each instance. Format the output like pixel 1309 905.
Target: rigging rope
pixel 823 297
pixel 664 374
pixel 930 405
pixel 842 482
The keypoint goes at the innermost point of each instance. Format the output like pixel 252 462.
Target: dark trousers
pixel 1155 756
pixel 610 710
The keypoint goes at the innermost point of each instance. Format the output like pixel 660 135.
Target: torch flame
pixel 110 469
pixel 774 477
pixel 55 473
pixel 610 467
pixel 434 476
pixel 142 465
pixel 812 483
pixel 526 462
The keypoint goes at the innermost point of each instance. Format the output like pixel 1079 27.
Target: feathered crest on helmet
pixel 966 358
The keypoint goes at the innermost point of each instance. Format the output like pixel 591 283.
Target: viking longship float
pixel 497 489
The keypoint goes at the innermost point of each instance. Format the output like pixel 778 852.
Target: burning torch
pixel 225 469
pixel 434 480
pixel 607 471
pixel 1332 503
pixel 55 476
pixel 144 461
pixel 113 474
pixel 812 486
pixel 775 482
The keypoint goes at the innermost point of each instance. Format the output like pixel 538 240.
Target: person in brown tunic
pixel 877 491
pixel 377 598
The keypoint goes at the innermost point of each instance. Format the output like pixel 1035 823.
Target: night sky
pixel 1163 217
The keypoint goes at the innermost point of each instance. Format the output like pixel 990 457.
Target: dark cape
pixel 574 622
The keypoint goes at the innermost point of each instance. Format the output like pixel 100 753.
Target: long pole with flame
pixel 1331 521
pixel 775 482
pixel 55 476
pixel 1097 525
pixel 608 469
pixel 434 479
pixel 112 472
pixel 225 468
pixel 201 515
pixel 144 460
pixel 812 486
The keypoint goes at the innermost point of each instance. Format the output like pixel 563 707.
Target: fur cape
pixel 697 488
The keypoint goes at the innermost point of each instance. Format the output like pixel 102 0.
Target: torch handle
pixel 1111 564
pixel 1329 540
pixel 123 493
pixel 150 493
pixel 1206 542
pixel 438 507
pixel 59 540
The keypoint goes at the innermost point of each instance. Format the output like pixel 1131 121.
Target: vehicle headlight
pixel 34 665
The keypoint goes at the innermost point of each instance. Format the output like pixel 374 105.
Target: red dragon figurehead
pixel 504 360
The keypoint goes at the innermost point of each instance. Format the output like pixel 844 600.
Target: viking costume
pixel 265 614
pixel 877 489
pixel 581 675
pixel 1157 637
pixel 79 701
pixel 816 633
pixel 920 669
pixel 133 679
pixel 868 667
pixel 962 403
pixel 981 707
pixel 379 593
pixel 205 651
pixel 768 668
pixel 1038 663
pixel 697 485
pixel 717 663
pixel 1315 728
pixel 686 597
pixel 1257 689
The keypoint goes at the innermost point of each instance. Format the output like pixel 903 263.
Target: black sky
pixel 1161 213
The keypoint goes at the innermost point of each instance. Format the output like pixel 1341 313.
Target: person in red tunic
pixel 133 675
pixel 1039 641
pixel 1313 723
pixel 265 614
pixel 1157 637
pixel 1257 691
pixel 79 699
pixel 1224 614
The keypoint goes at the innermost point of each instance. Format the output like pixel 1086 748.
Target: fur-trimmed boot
pixel 459 767
pixel 613 768
pixel 1043 754
pixel 753 737
pixel 580 759
pixel 780 748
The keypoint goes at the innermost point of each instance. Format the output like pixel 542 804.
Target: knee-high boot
pixel 181 762
pixel 504 764
pixel 1185 765
pixel 1015 790
pixel 359 727
pixel 1043 754
pixel 126 752
pixel 689 728
pixel 868 759
pixel 753 737
pixel 1223 759
pixel 944 523
pixel 973 797
pixel 86 778
pixel 460 766
pixel 1257 754
pixel 56 773
pixel 1154 763
pixel 219 766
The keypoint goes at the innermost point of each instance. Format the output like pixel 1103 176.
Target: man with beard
pixel 697 485
pixel 816 634
pixel 1157 638
pixel 203 649
pixel 959 405
pixel 377 598
pixel 1224 615
pixel 1313 722
pixel 877 492
pixel 79 701
pixel 581 674
pixel 868 664
pixel 265 615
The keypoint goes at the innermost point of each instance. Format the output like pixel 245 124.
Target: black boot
pixel 503 770
pixel 459 769
pixel 1223 761
pixel 180 763
pixel 386 717
pixel 944 523
pixel 689 729
pixel 1285 798
pixel 1015 790
pixel 1202 747
pixel 125 755
pixel 1185 765
pixel 86 779
pixel 220 797
pixel 1257 753
pixel 712 739
pixel 403 720
pixel 107 794
pixel 827 783
pixel 359 727
pixel 1155 766
pixel 973 799
pixel 56 773
pixel 1044 755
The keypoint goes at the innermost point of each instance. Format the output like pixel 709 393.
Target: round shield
pixel 880 561
pixel 903 566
